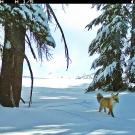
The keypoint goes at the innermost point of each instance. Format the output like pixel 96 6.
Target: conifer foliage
pixel 130 49
pixel 110 43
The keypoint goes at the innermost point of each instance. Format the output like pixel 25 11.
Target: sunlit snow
pixel 66 110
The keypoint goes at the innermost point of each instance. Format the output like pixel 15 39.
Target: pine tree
pixel 108 44
pixel 18 20
pixel 130 50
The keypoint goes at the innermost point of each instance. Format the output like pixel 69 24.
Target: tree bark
pixel 12 65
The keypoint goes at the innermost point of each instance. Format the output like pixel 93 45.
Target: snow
pixel 22 13
pixel 107 71
pixel 6 7
pixel 67 111
pixel 117 19
pixel 1 8
pixel 50 39
pixel 132 60
pixel 131 64
pixel 8 45
pixel 55 83
pixel 104 30
pixel 32 16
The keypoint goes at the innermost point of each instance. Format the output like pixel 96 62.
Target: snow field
pixel 67 111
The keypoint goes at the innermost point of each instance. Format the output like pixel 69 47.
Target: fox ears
pixel 115 95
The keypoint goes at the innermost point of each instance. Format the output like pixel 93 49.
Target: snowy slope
pixel 67 111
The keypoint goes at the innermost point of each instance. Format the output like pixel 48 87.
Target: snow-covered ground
pixel 60 107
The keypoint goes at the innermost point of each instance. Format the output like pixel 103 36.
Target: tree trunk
pixel 12 65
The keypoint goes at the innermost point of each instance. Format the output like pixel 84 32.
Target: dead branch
pixel 29 43
pixel 62 33
pixel 31 73
pixel 22 100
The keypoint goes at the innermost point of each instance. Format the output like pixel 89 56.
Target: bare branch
pixel 22 100
pixel 31 73
pixel 63 8
pixel 47 53
pixel 29 43
pixel 49 14
pixel 62 33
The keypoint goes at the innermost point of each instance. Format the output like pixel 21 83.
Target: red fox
pixel 107 102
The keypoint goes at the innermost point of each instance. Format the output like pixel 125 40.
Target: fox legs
pixel 100 109
pixel 111 112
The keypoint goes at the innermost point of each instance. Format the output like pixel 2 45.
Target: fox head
pixel 99 97
pixel 115 97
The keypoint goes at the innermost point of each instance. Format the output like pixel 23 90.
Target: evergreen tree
pixel 130 50
pixel 108 44
pixel 18 20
